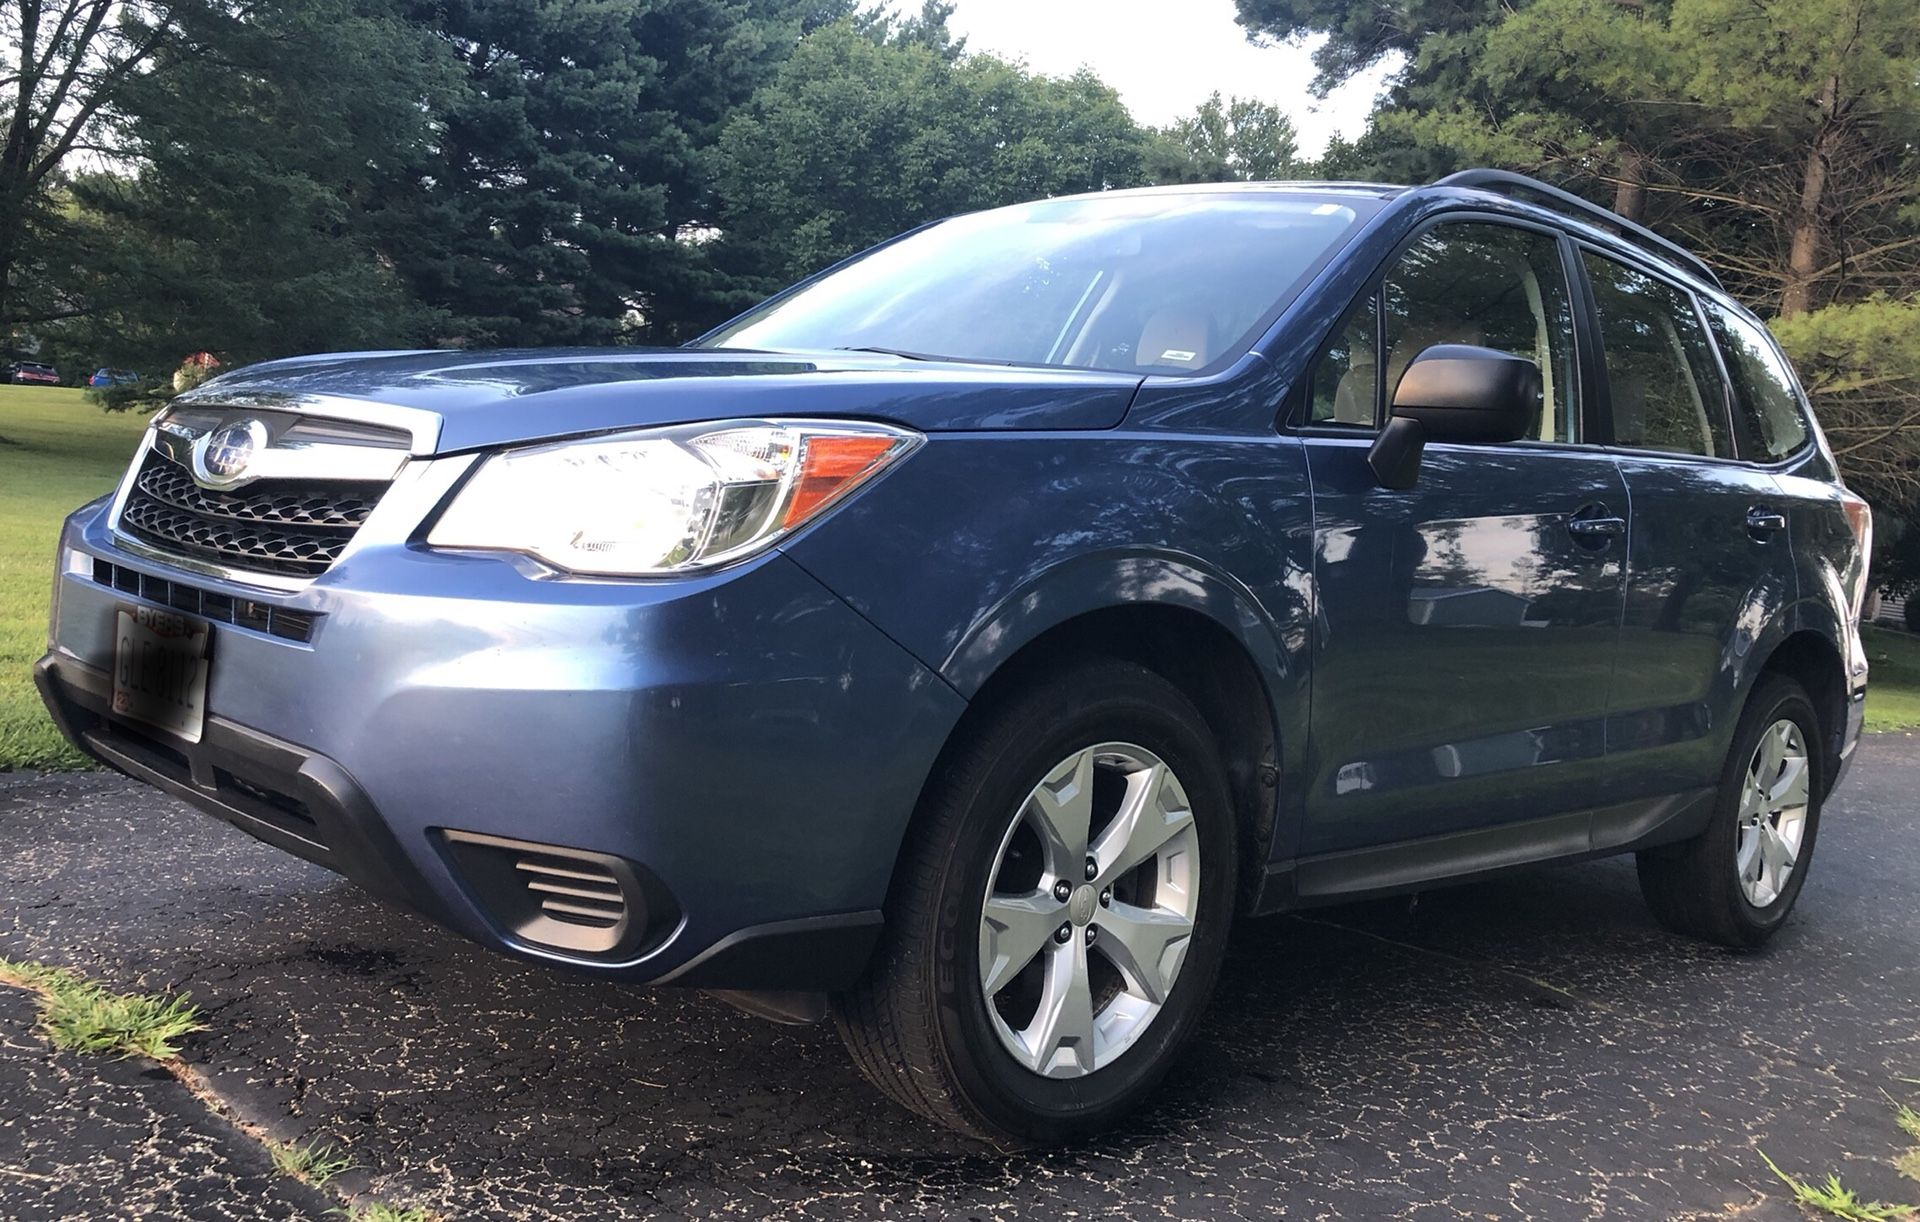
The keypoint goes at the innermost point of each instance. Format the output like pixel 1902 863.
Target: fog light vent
pixel 578 892
pixel 593 905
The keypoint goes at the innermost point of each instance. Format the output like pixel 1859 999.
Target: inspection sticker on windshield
pixel 160 670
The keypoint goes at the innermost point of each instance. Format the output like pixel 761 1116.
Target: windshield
pixel 1141 283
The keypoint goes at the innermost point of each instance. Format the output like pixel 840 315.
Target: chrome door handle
pixel 1762 522
pixel 1596 529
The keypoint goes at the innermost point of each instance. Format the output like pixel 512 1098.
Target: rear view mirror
pixel 1454 392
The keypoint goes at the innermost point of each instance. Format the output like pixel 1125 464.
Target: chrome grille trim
pixel 302 498
pixel 289 456
pixel 421 426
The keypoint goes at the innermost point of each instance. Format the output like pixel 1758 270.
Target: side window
pixel 1344 383
pixel 1496 286
pixel 1491 285
pixel 1666 388
pixel 1766 408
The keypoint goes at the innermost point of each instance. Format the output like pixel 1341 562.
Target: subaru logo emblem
pixel 221 458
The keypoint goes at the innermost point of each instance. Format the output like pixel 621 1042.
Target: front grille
pixel 336 505
pixel 291 528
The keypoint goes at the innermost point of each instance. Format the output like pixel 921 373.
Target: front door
pixel 1466 628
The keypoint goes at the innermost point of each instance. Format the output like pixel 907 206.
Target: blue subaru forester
pixel 955 644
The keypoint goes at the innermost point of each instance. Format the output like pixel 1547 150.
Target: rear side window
pixel 1494 286
pixel 1666 387
pixel 1766 410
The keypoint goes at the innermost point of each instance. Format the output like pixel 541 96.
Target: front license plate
pixel 160 669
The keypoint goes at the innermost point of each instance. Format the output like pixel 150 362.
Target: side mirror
pixel 1454 392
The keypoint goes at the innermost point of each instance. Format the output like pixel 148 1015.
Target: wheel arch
pixel 1811 659
pixel 1207 641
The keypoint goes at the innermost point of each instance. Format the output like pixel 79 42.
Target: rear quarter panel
pixel 1829 567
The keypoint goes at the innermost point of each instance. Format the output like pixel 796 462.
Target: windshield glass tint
pixel 1147 284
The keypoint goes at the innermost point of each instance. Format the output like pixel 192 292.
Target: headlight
pixel 666 500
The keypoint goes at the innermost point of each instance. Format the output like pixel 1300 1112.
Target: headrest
pixel 1175 337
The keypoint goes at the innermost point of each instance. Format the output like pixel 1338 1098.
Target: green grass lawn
pixel 1893 683
pixel 57 451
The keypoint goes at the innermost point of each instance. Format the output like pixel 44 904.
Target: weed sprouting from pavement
pixel 81 1015
pixel 1908 1164
pixel 1838 1200
pixel 1908 1120
pixel 314 1163
pixel 379 1211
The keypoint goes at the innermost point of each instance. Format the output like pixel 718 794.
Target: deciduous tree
pixel 1238 138
pixel 866 132
pixel 63 66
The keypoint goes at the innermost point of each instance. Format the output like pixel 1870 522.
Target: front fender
pixel 1089 583
pixel 978 544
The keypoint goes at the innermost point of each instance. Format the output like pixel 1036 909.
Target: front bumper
pixel 745 743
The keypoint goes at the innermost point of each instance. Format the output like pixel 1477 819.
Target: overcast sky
pixel 1164 56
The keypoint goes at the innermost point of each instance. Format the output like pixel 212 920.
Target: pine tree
pixel 568 199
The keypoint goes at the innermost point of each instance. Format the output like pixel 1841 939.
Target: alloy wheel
pixel 1087 920
pixel 1772 822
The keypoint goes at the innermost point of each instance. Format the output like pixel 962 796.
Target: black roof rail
pixel 1506 181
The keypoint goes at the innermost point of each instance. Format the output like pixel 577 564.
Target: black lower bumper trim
pixel 292 798
pixel 811 953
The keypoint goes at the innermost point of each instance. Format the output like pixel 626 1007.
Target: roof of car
pixel 1510 190
pixel 1370 190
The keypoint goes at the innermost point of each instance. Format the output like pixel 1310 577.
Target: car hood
pixel 505 397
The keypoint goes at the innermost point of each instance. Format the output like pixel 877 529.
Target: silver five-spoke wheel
pixel 1090 911
pixel 1773 813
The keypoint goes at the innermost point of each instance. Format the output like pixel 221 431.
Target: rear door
pixel 1827 526
pixel 1708 562
pixel 1465 627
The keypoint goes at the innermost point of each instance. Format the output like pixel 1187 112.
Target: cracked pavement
pixel 1528 1047
pixel 87 1138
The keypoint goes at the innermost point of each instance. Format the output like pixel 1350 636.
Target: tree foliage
pixel 570 168
pixel 871 128
pixel 264 175
pixel 1861 363
pixel 1779 138
pixel 298 174
pixel 1237 138
pixel 63 67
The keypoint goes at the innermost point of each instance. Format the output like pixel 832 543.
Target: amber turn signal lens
pixel 829 465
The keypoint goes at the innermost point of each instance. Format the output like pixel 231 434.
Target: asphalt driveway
pixel 1531 1047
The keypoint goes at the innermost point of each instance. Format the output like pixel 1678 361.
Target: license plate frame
pixel 160 669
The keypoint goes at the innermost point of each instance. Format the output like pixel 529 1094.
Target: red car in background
pixel 33 372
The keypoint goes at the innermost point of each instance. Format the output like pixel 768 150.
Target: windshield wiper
pixel 925 356
pixel 912 356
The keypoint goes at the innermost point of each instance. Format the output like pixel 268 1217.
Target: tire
pixel 922 1028
pixel 1696 887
